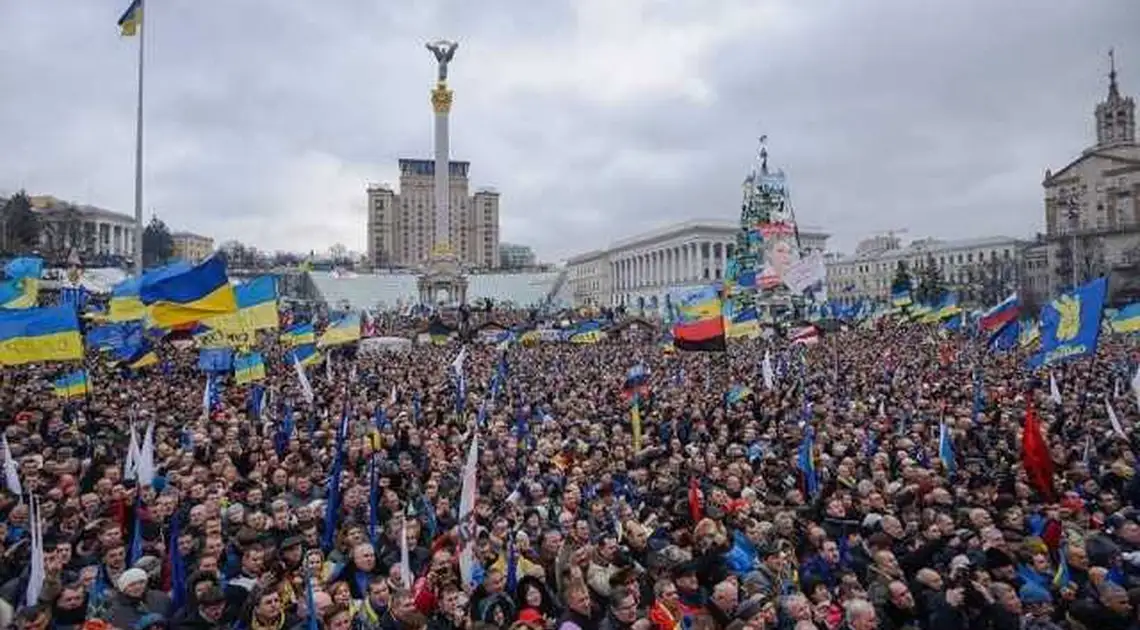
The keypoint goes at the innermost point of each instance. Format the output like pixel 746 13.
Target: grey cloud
pixel 266 119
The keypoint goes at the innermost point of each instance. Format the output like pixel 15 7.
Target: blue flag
pixel 1070 324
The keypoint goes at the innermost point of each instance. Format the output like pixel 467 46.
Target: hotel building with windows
pixel 401 225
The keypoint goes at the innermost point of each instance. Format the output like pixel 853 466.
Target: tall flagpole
pixel 139 146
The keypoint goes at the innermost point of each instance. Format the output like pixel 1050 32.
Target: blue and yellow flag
pixel 740 324
pixel 39 334
pixel 345 330
pixel 191 296
pixel 1030 333
pixel 71 385
pixel 900 296
pixel 248 368
pixel 1127 319
pixel 587 332
pixel 141 356
pixel 299 335
pixel 257 308
pixel 22 288
pixel 131 19
pixel 948 306
pixel 1070 324
pixel 305 355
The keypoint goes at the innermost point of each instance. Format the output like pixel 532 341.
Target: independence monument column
pixel 441 102
pixel 443 280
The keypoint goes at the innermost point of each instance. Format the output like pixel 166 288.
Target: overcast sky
pixel 595 119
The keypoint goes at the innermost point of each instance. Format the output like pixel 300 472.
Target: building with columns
pixel 1092 207
pixel 649 265
pixel 91 232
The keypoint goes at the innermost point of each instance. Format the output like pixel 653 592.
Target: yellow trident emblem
pixel 1069 317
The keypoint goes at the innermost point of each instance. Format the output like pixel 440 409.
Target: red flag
pixel 695 501
pixel 1035 458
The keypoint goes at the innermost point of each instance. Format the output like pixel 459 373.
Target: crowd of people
pixel 709 520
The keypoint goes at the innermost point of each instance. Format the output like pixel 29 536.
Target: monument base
pixel 442 282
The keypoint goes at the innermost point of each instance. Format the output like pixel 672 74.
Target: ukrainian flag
pixel 345 330
pixel 23 286
pixel 248 368
pixel 699 305
pixel 948 307
pixel 305 355
pixel 901 297
pixel 69 385
pixel 587 332
pixel 39 334
pixel 143 356
pixel 126 305
pixel 299 335
pixel 131 20
pixel 1127 319
pixel 257 308
pixel 191 296
pixel 1030 333
pixel 742 325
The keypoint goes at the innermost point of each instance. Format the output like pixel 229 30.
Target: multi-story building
pixel 512 256
pixel 86 230
pixel 1092 206
pixel 192 248
pixel 977 268
pixel 649 265
pixel 401 225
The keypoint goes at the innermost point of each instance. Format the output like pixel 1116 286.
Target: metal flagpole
pixel 139 145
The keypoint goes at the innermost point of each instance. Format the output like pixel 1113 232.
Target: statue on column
pixel 444 52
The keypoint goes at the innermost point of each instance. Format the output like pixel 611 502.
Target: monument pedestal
pixel 442 282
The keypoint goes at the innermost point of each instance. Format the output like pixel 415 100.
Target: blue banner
pixel 216 359
pixel 1070 324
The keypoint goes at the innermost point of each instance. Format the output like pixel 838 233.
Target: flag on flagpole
pixel 1035 457
pixel 466 510
pixel 306 389
pixel 131 19
pixel 146 457
pixel 405 562
pixel 1054 391
pixel 131 467
pixel 36 572
pixel 11 471
pixel 1112 419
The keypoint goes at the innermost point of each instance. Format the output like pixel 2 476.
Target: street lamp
pixel 1073 213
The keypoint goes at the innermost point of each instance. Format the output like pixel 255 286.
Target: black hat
pixel 212 595
pixel 684 568
pixel 292 541
pixel 997 559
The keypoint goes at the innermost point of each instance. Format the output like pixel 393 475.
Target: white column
pixel 442 172
pixel 723 257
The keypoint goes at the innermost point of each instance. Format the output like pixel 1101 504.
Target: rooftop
pixel 931 246
pixel 714 225
pixel 49 204
pixel 390 289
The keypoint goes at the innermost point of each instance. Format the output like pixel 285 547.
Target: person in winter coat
pixel 133 601
pixel 209 613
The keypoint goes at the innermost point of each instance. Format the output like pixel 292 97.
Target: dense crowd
pixel 711 523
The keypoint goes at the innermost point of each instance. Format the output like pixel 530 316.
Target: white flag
pixel 306 389
pixel 405 563
pixel 131 467
pixel 457 364
pixel 1136 386
pixel 1054 392
pixel 11 471
pixel 1114 420
pixel 206 395
pixel 146 457
pixel 329 368
pixel 766 369
pixel 466 506
pixel 36 570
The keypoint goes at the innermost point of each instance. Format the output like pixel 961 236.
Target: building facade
pixel 977 268
pixel 1092 206
pixel 651 264
pixel 193 248
pixel 89 231
pixel 512 256
pixel 401 224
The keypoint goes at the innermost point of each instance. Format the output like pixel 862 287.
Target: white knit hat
pixel 130 576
